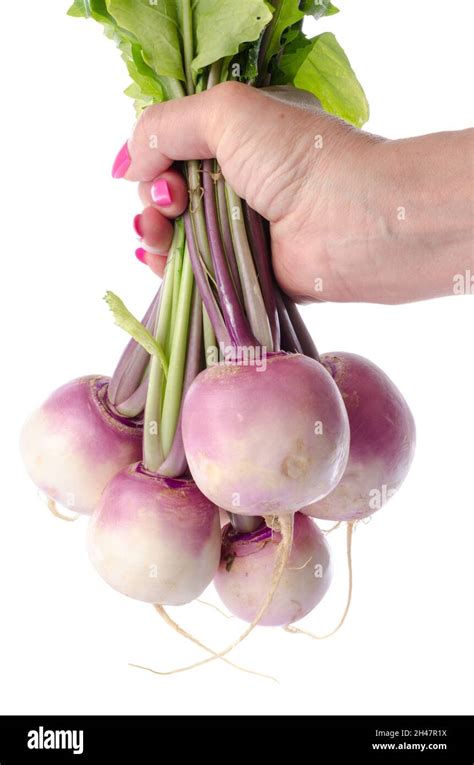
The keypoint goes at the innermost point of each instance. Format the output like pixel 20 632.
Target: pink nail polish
pixel 140 254
pixel 137 225
pixel 122 162
pixel 160 193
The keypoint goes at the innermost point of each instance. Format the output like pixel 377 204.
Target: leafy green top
pixel 265 40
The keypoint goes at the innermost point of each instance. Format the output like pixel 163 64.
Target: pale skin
pixel 353 216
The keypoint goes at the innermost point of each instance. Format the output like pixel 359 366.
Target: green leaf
pixel 79 9
pixel 142 74
pixel 155 27
pixel 295 54
pixel 251 62
pixel 221 27
pixel 287 13
pixel 322 68
pixel 318 8
pixel 140 102
pixel 331 10
pixel 91 9
pixel 127 321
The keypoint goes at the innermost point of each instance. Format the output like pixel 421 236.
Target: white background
pixel 65 637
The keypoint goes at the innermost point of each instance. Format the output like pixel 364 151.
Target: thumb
pixel 260 142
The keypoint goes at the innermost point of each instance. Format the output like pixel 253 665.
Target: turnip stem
pixel 261 254
pixel 203 285
pixel 300 329
pixel 245 524
pixel 234 317
pixel 174 382
pixel 175 463
pixel 133 362
pixel 262 64
pixel 188 45
pixel 226 235
pixel 177 271
pixel 152 450
pixel 135 404
pixel 289 339
pixel 210 342
pixel 253 300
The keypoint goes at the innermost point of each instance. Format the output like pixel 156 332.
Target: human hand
pixel 332 194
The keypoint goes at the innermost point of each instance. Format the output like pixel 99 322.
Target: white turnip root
pixel 74 443
pixel 155 539
pixel 246 567
pixel 382 440
pixel 265 442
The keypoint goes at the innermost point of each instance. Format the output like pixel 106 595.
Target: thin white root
pixel 286 526
pixel 53 508
pixel 181 631
pixel 300 568
pixel 216 608
pixel 331 528
pixel 300 630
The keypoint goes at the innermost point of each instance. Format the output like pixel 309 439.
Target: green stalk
pixel 194 181
pixel 174 382
pixel 178 267
pixel 210 342
pixel 253 300
pixel 188 43
pixel 173 88
pixel 267 39
pixel 152 450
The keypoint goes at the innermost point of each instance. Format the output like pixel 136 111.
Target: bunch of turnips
pixel 220 404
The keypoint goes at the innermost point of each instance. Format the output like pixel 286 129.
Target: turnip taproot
pixel 382 440
pixel 265 442
pixel 75 443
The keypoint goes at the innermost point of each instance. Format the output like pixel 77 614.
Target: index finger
pixel 174 130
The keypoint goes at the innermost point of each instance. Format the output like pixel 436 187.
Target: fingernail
pixel 122 162
pixel 160 193
pixel 140 254
pixel 137 225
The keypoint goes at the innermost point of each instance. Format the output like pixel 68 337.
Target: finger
pixel 155 231
pixel 288 94
pixel 168 193
pixel 191 128
pixel 157 263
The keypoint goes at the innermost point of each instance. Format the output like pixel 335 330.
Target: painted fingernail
pixel 160 193
pixel 137 225
pixel 140 254
pixel 122 162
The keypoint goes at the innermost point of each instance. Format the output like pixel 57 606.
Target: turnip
pixel 382 440
pixel 74 443
pixel 265 442
pixel 91 427
pixel 247 564
pixel 154 539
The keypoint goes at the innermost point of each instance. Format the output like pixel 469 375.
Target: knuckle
pixel 231 93
pixel 148 123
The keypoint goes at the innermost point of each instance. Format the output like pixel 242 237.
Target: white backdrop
pixel 65 637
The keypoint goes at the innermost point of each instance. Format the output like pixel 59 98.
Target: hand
pixel 353 217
